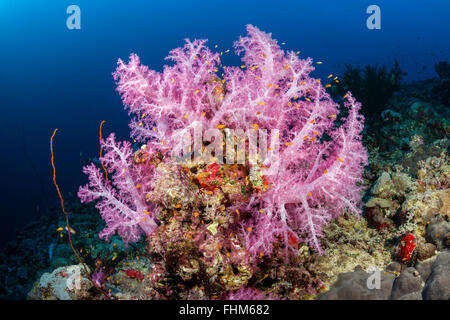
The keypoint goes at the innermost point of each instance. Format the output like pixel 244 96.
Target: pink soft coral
pixel 122 202
pixel 313 180
pixel 249 294
pixel 165 102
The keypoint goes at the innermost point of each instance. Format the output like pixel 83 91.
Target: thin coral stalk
pixel 67 220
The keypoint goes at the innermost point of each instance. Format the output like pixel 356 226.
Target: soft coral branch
pixel 317 181
pixel 172 98
pixel 122 201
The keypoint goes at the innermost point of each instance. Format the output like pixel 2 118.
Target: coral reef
pixel 200 229
pixel 406 205
pixel 211 227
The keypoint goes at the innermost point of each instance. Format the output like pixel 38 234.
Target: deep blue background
pixel 54 77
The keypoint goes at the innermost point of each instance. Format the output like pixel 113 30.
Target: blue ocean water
pixel 53 77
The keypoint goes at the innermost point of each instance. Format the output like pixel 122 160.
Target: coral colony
pixel 217 226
